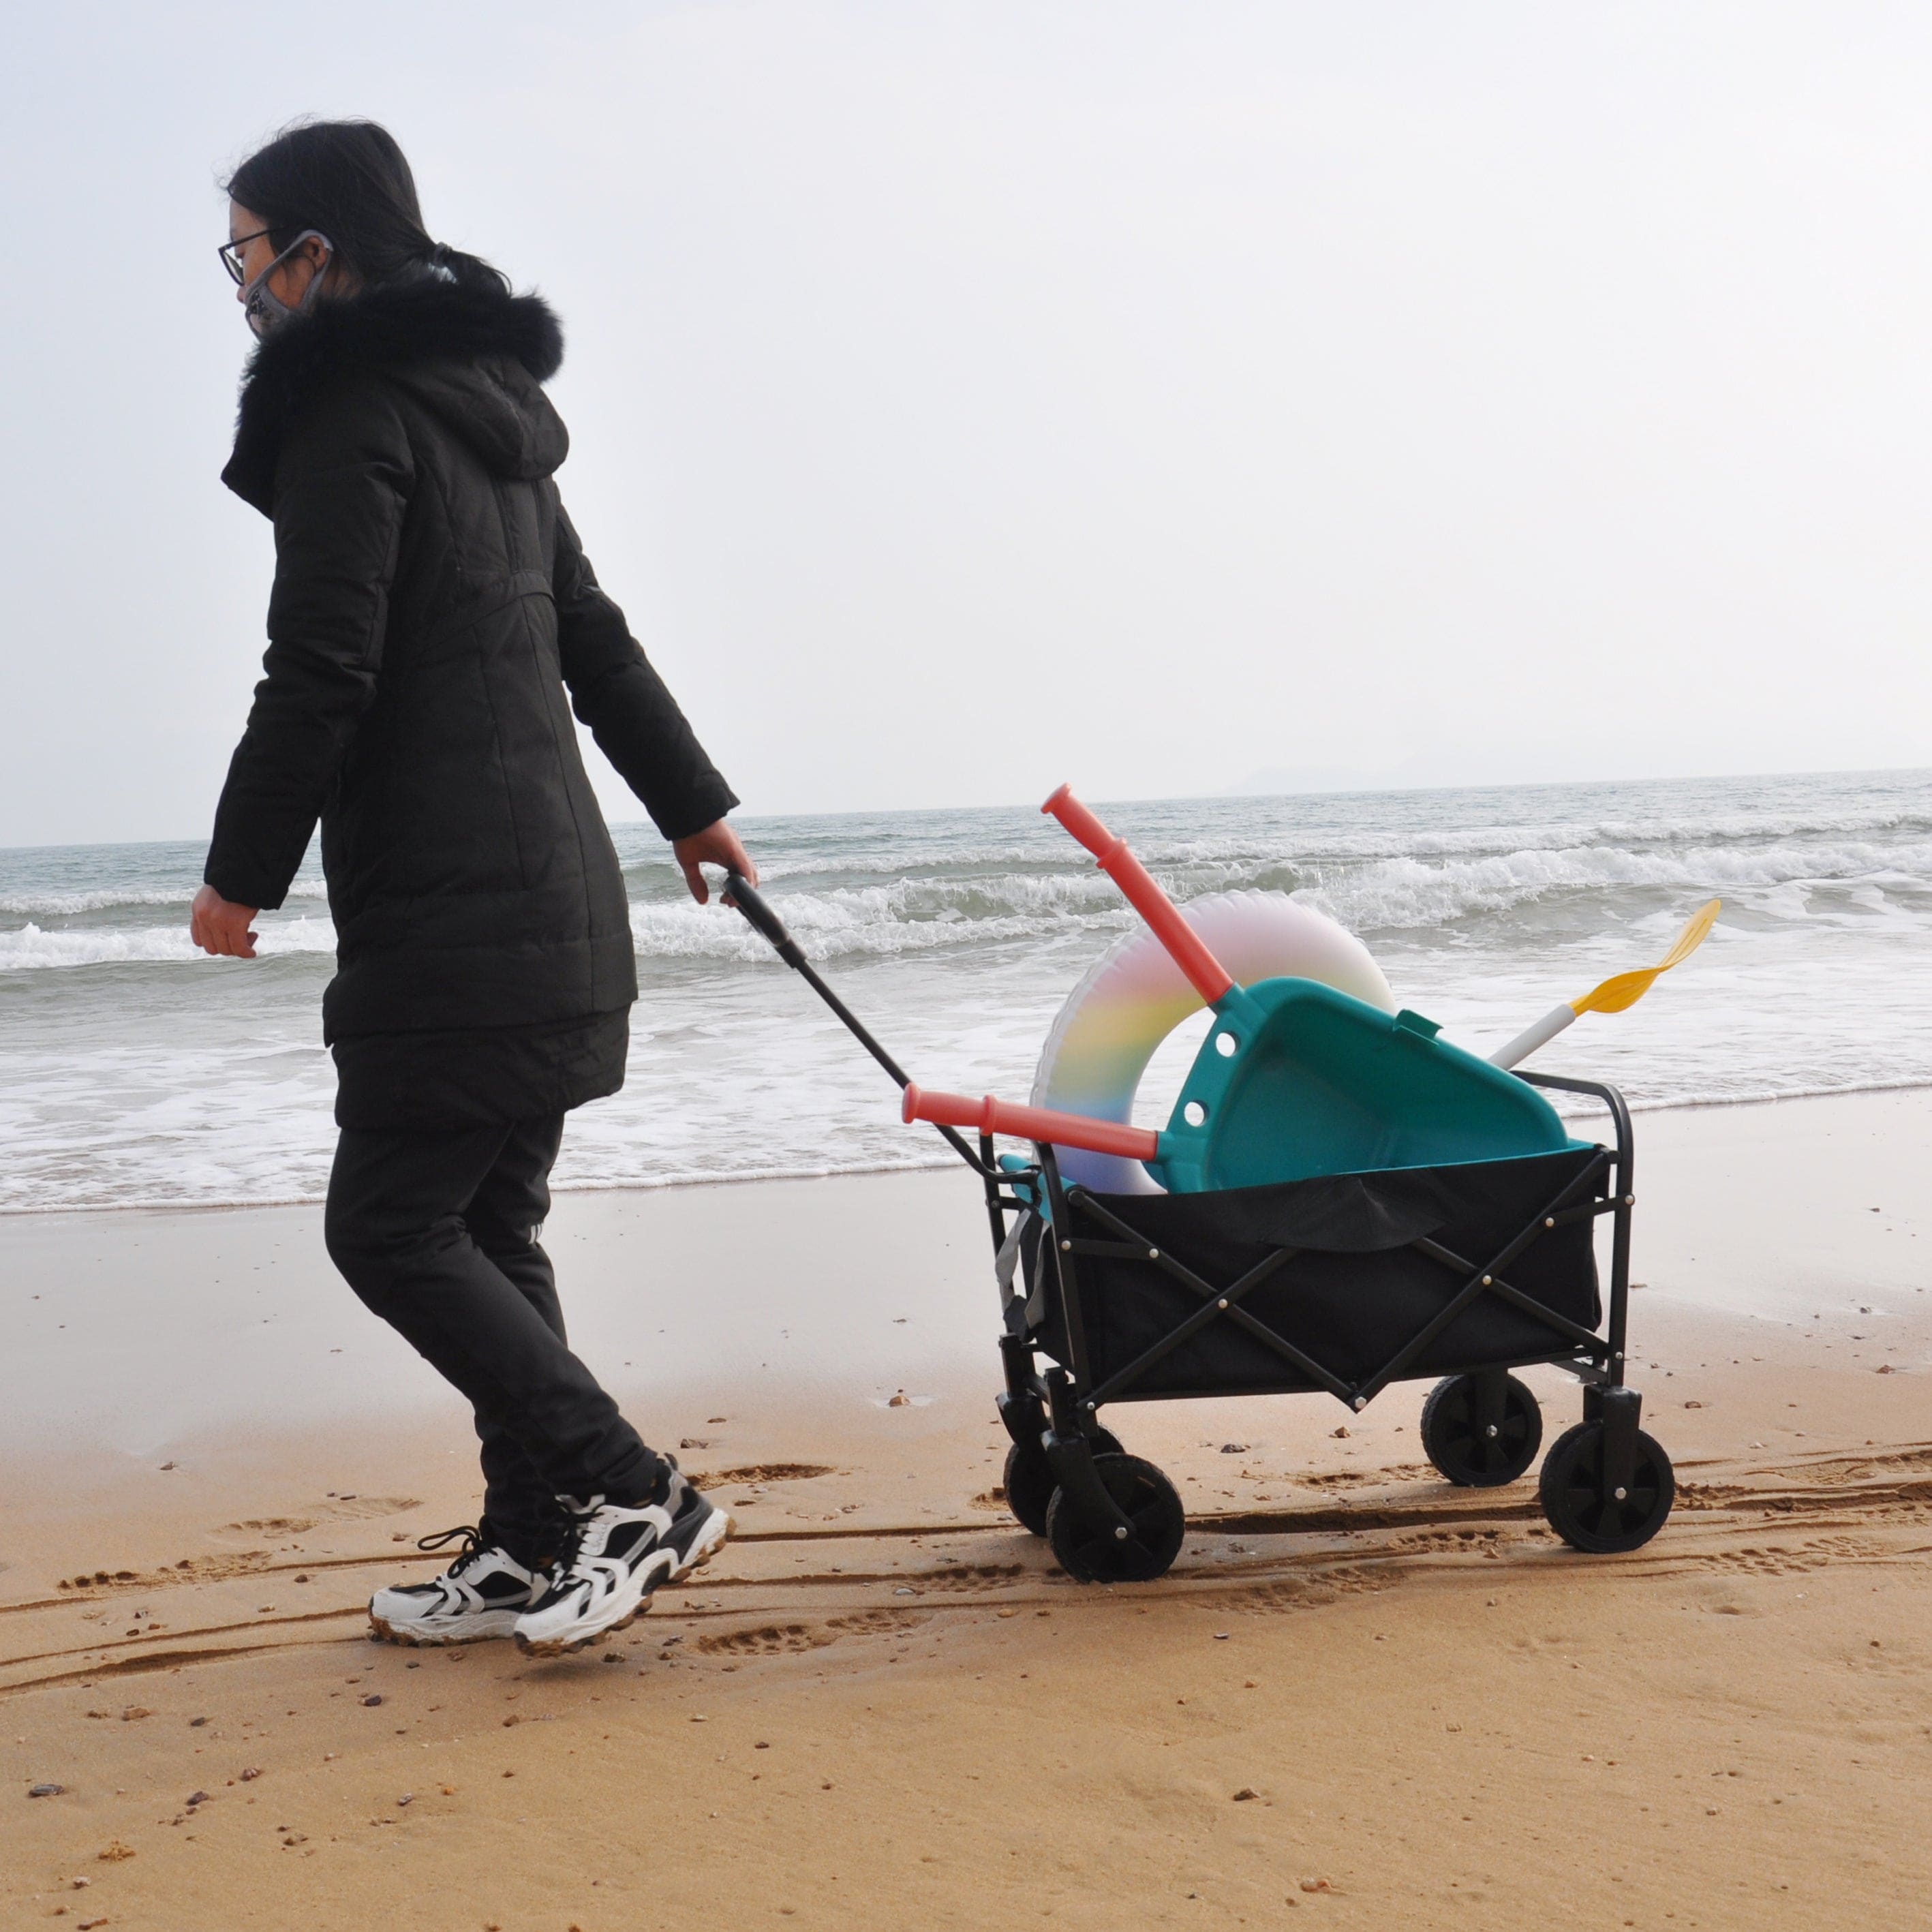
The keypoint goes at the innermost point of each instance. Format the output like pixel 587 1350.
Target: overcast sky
pixel 967 397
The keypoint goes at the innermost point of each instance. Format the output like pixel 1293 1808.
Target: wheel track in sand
pixel 1743 1521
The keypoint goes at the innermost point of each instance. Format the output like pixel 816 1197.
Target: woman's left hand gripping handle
pixel 219 926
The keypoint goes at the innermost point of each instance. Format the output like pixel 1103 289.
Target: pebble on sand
pixel 45 1790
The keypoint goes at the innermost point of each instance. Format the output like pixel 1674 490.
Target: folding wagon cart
pixel 1350 1201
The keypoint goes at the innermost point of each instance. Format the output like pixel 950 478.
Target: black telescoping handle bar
pixel 740 892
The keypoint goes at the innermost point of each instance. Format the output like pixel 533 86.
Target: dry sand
pixel 1361 1699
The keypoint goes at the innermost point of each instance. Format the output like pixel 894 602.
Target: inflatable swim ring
pixel 1134 996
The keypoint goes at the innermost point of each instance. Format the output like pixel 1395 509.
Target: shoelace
pixel 473 1545
pixel 580 1520
pixel 565 1559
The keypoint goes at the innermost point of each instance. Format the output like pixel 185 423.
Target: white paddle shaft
pixel 1541 1034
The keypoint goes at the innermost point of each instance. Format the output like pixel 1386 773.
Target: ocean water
pixel 134 1072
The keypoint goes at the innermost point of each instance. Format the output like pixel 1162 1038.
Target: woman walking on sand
pixel 431 605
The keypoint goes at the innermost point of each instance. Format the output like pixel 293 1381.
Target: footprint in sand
pixel 762 1472
pixel 767 1640
pixel 969 1578
pixel 876 1623
pixel 354 1508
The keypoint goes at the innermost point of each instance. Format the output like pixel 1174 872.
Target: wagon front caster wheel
pixel 1481 1433
pixel 1585 1513
pixel 1029 1483
pixel 1096 1552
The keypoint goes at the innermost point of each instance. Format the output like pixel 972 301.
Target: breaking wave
pixel 1384 895
pixel 953 906
pixel 30 947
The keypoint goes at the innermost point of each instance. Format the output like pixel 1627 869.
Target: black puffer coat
pixel 431 604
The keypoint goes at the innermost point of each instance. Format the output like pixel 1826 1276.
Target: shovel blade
pixel 1625 989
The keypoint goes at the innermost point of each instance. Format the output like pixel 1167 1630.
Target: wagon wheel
pixel 1096 1552
pixel 1584 1514
pixel 1475 1448
pixel 1029 1483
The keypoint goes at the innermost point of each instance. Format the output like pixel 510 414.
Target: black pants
pixel 437 1233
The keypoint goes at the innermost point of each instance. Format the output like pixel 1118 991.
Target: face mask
pixel 266 312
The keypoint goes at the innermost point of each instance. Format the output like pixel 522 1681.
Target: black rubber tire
pixel 1091 1553
pixel 1029 1483
pixel 1573 1498
pixel 1465 1456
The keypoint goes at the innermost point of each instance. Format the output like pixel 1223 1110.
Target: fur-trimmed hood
pixel 475 357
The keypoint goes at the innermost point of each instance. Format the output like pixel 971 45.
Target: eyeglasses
pixel 230 253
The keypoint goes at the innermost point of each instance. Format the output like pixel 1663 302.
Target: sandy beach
pixel 1361 1698
pixel 750 580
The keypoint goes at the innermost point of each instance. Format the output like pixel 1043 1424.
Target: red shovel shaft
pixel 1207 975
pixel 989 1116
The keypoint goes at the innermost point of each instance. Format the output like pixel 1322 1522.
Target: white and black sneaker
pixel 616 1558
pixel 481 1594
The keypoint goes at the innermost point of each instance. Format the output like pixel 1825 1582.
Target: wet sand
pixel 883 1704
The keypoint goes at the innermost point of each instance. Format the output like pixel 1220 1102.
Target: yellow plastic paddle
pixel 1621 991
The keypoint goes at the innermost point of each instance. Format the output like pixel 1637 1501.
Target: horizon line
pixel 1344 790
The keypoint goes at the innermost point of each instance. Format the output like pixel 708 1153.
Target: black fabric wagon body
pixel 1344 1284
pixel 1347 1288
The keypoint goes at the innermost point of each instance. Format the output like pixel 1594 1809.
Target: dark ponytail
pixel 349 180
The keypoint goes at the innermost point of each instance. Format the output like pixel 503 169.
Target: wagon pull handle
pixel 741 893
pixel 1204 973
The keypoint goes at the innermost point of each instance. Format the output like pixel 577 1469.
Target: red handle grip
pixel 989 1116
pixel 1207 975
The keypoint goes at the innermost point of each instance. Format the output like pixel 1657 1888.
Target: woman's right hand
pixel 219 926
pixel 717 844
